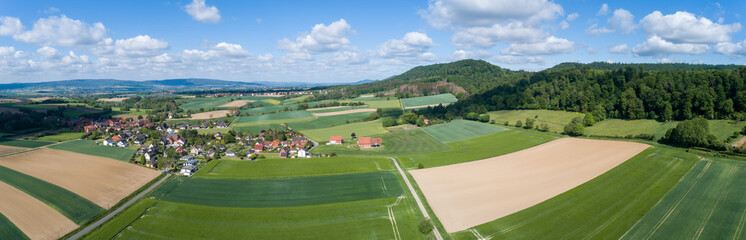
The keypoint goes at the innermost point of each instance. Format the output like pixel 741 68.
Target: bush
pixel 518 123
pixel 484 118
pixel 575 127
pixel 506 123
pixel 389 122
pixel 529 123
pixel 425 227
pixel 692 133
pixel 544 127
pixel 472 116
pixel 589 120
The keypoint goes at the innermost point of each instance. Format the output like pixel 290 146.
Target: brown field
pixel 209 115
pixel 103 181
pixel 237 103
pixel 344 112
pixel 431 105
pixel 468 194
pixel 367 95
pixel 39 99
pixel 113 99
pixel 8 149
pixel 34 218
pixel 10 110
pixel 9 100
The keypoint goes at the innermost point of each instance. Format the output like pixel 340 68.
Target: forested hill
pixel 624 93
pixel 643 66
pixel 471 76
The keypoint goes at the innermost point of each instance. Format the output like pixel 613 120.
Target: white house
pixel 122 144
pixel 188 170
pixel 108 142
pixel 302 153
pixel 187 158
pixel 230 153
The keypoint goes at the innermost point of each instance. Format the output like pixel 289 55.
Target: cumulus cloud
pixel 413 44
pixel 464 54
pixel 657 46
pixel 322 38
pixel 684 27
pixel 62 31
pixel 731 49
pixel 10 26
pixel 603 10
pixel 470 13
pixel 222 50
pixel 622 21
pixel 551 45
pixel 518 60
pixel 564 25
pixel 622 49
pixel 347 57
pixel 203 13
pixel 487 37
pixel 49 52
pixel 141 45
pixel 667 60
pixel 7 51
pixel 594 30
pixel 230 50
pixel 573 16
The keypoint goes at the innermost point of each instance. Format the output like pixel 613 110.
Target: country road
pixel 118 210
pixel 416 198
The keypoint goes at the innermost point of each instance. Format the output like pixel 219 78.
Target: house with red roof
pixel 336 140
pixel 368 142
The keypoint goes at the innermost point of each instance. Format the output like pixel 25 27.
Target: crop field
pixel 360 129
pixel 334 109
pixel 429 100
pixel 602 208
pixel 622 128
pixel 292 167
pixel 281 192
pixel 8 230
pixel 8 149
pixel 556 120
pixel 344 112
pixel 394 144
pixel 61 137
pixel 209 115
pixel 89 147
pixel 256 128
pixel 460 130
pixel 33 217
pixel 329 121
pixel 23 143
pixel 477 148
pixel 100 180
pixel 269 109
pixel 367 219
pixel 260 119
pixel 236 103
pixel 379 103
pixel 298 99
pixel 458 196
pixel 215 102
pixel 73 206
pixel 707 203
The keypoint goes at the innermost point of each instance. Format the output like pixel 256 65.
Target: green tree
pixel 484 118
pixel 589 120
pixel 388 122
pixel 518 123
pixel 529 123
pixel 575 127
pixel 472 116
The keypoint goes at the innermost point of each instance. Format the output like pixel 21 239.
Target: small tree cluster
pixel 575 127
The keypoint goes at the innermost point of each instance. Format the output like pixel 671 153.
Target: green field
pixel 622 128
pixel 429 100
pixel 360 129
pixel 257 128
pixel 479 148
pixel 91 148
pixel 707 203
pixel 114 226
pixel 61 137
pixel 260 119
pixel 556 120
pixel 298 99
pixel 284 192
pixel 8 230
pixel 292 167
pixel 329 121
pixel 269 109
pixel 74 207
pixel 213 130
pixel 214 102
pixel 394 144
pixel 132 111
pixel 339 109
pixel 460 130
pixel 603 208
pixel 23 143
pixel 367 219
pixel 383 103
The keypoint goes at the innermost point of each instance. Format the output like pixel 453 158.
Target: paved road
pixel 416 198
pixel 118 210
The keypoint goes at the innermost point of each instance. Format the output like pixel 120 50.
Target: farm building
pixel 302 153
pixel 284 153
pixel 336 140
pixel 368 142
pixel 188 170
pixel 259 147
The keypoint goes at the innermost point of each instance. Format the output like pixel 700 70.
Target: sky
pixel 348 41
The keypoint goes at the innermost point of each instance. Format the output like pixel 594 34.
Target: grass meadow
pixel 394 144
pixel 23 143
pixel 267 118
pixel 329 121
pixel 603 208
pixel 360 129
pixel 8 230
pixel 61 137
pixel 556 120
pixel 429 100
pixel 214 102
pixel 292 167
pixel 89 147
pixel 460 130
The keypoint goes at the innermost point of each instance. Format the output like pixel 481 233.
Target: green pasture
pixel 379 103
pixel 292 167
pixel 23 143
pixel 360 129
pixel 556 120
pixel 329 121
pixel 61 137
pixel 338 109
pixel 394 144
pixel 8 230
pixel 250 120
pixel 460 130
pixel 254 129
pixel 89 147
pixel 429 100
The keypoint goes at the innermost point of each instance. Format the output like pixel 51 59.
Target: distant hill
pixel 117 86
pixel 645 66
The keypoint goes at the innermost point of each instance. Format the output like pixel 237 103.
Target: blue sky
pixel 345 41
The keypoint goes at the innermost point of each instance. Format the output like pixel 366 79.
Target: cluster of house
pixel 199 125
pixel 362 142
pixel 294 148
pixel 109 125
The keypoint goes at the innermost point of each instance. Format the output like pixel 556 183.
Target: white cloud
pixel 564 25
pixel 603 10
pixel 622 21
pixel 729 48
pixel 684 27
pixel 591 50
pixel 551 45
pixel 572 16
pixel 487 37
pixel 230 50
pixel 471 13
pixel 321 39
pixel 464 54
pixel 413 44
pixel 622 48
pixel 347 57
pixel 141 45
pixel 657 46
pixel 62 31
pixel 203 13
pixel 7 51
pixel 10 26
pixel 518 60
pixel 594 30
pixel 667 60
pixel 49 52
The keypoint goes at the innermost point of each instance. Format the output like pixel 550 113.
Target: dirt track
pixel 8 149
pixel 237 103
pixel 103 181
pixel 34 218
pixel 344 112
pixel 209 115
pixel 468 194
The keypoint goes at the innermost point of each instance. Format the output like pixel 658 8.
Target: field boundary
pixel 416 198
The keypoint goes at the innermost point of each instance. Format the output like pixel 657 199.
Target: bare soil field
pixel 344 112
pixel 36 219
pixel 468 194
pixel 113 99
pixel 8 149
pixel 100 180
pixel 9 100
pixel 39 99
pixel 237 103
pixel 424 106
pixel 209 115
